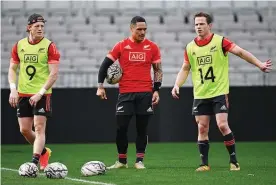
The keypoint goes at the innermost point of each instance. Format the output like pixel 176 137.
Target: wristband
pixel 42 91
pixel 156 86
pixel 12 86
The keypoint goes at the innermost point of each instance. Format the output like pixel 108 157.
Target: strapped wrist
pixel 12 86
pixel 42 91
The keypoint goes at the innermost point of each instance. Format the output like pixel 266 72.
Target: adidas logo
pixel 127 47
pixel 233 153
pixel 149 109
pixel 22 50
pixel 41 110
pixel 223 107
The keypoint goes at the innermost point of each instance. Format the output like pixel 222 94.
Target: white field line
pixel 67 178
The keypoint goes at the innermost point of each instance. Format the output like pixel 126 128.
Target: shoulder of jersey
pixel 121 41
pixel 150 42
pixel 23 39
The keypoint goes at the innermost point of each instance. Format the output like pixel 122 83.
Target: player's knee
pixel 40 129
pixel 223 126
pixel 202 129
pixel 25 131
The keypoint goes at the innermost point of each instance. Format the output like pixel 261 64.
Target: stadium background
pixel 84 31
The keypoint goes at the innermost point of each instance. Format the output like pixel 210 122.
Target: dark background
pixel 80 117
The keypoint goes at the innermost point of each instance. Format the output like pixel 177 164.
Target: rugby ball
pixel 28 169
pixel 93 168
pixel 114 74
pixel 56 170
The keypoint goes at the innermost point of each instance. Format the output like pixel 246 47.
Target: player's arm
pixel 157 68
pixel 247 56
pixel 53 69
pixel 13 99
pixel 12 73
pixel 158 76
pixel 184 71
pixel 107 62
pixel 14 62
pixel 53 65
pixel 183 74
pixel 110 58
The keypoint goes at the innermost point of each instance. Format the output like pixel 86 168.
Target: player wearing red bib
pixel 136 56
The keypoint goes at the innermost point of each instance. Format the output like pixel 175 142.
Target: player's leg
pixel 203 141
pixel 202 109
pixel 39 143
pixel 26 128
pixel 221 111
pixel 142 122
pixel 121 137
pixel 124 112
pixel 26 120
pixel 144 110
pixel 42 111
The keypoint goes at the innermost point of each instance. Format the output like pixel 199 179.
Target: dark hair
pixel 208 17
pixel 136 19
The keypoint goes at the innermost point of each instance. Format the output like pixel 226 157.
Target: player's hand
pixel 13 100
pixel 266 66
pixel 101 93
pixel 175 92
pixel 34 99
pixel 155 98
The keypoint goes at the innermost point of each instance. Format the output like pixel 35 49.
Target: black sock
pixel 139 157
pixel 43 151
pixel 35 158
pixel 121 137
pixel 229 142
pixel 122 158
pixel 142 138
pixel 203 147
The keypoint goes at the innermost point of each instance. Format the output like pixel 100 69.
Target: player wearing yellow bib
pixel 38 60
pixel 207 58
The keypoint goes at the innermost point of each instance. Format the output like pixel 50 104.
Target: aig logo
pixel 137 56
pixel 204 60
pixel 30 58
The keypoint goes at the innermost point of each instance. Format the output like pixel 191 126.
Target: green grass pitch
pixel 167 164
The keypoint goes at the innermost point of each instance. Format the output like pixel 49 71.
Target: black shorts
pixel 134 103
pixel 211 106
pixel 43 107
